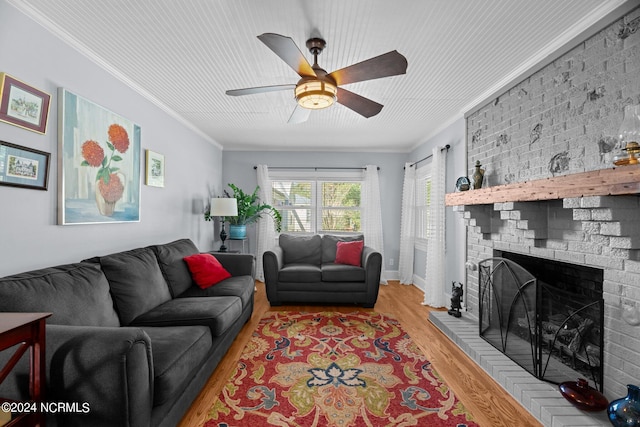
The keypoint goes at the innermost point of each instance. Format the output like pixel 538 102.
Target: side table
pixel 242 242
pixel 27 331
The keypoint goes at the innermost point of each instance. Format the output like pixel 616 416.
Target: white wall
pixel 238 169
pixel 29 236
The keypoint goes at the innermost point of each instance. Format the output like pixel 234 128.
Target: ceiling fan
pixel 318 89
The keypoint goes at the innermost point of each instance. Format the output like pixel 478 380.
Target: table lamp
pixel 223 207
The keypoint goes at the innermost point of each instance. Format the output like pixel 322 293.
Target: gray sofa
pixel 302 269
pixel 131 334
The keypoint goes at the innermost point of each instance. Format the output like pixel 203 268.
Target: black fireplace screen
pixel 549 322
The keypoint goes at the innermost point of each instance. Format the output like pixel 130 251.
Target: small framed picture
pixel 23 105
pixel 23 167
pixel 155 169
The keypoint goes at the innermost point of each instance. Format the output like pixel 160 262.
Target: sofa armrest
pixel 372 264
pixel 108 368
pixel 237 264
pixel 272 262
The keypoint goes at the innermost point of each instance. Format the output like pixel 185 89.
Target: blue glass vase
pixel 625 412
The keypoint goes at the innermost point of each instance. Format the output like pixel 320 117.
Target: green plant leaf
pixel 116 158
pixel 110 145
pixel 85 163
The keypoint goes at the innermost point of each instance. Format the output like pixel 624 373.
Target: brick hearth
pixel 542 399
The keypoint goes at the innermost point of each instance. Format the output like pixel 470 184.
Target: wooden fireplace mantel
pixel 615 181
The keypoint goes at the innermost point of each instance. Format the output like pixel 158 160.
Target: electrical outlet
pixel 391 262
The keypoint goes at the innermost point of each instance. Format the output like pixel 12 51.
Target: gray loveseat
pixel 302 269
pixel 131 334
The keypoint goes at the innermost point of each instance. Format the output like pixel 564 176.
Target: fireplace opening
pixel 547 316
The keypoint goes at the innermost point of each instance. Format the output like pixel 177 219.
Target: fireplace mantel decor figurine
pixel 478 176
pixel 456 299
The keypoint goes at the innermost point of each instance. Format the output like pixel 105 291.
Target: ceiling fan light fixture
pixel 316 94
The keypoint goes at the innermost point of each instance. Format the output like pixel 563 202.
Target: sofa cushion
pixel 304 273
pixel 218 313
pixel 178 352
pixel 206 270
pixel 242 287
pixel 349 253
pixel 342 273
pixel 170 259
pixel 301 249
pixel 76 294
pixel 136 282
pixel 330 245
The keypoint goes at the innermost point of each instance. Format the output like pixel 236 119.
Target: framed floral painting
pixel 99 163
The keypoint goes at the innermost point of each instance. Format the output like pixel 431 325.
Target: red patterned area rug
pixel 334 369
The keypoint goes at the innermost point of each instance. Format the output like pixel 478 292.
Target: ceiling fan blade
pixel 260 89
pixel 299 115
pixel 361 105
pixel 386 65
pixel 289 52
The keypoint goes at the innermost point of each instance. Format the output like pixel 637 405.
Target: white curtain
pixel 434 291
pixel 372 219
pixel 407 225
pixel 266 226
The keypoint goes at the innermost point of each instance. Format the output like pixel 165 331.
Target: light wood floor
pixel 490 405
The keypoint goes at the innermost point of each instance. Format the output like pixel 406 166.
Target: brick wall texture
pixel 564 119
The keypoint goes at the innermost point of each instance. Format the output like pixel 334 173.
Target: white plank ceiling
pixel 184 55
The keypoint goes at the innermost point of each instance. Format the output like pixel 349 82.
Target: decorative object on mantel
pixel 463 184
pixel 581 395
pixel 625 412
pixel 629 134
pixel 478 176
pixel 456 299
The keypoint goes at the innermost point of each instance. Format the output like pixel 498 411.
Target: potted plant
pixel 250 210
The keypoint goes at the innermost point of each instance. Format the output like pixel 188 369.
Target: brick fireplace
pixel 596 231
pixel 559 123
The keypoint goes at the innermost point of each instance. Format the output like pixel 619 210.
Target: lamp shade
pixel 224 206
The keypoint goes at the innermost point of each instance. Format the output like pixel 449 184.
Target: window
pixel 423 200
pixel 317 204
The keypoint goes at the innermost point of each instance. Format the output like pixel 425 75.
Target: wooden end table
pixel 26 331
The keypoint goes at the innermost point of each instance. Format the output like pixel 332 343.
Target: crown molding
pixel 85 51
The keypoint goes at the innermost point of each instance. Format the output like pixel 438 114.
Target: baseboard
pixel 392 274
pixel 419 283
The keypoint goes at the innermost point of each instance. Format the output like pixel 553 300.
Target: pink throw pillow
pixel 206 270
pixel 349 252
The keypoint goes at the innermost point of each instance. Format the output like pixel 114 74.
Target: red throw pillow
pixel 349 252
pixel 206 270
